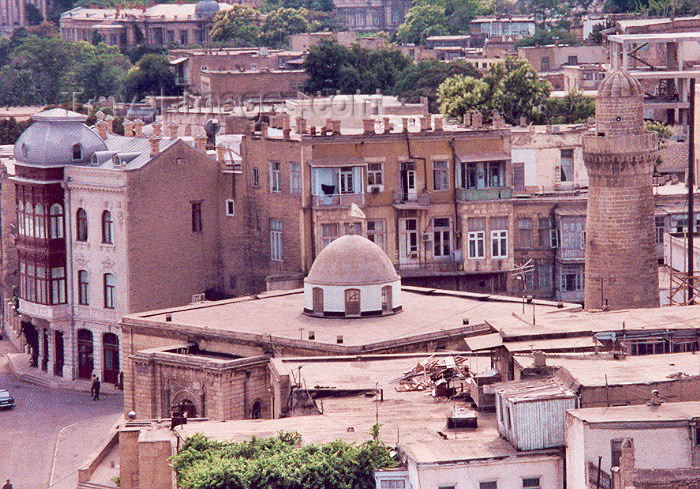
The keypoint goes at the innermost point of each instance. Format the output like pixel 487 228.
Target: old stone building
pixel 621 261
pixel 13 13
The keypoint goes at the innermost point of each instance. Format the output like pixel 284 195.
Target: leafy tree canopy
pixel 318 5
pixel 279 24
pixel 239 26
pixel 543 37
pixel 332 67
pixel 278 463
pixel 423 21
pixel 461 94
pixel 150 76
pixel 572 108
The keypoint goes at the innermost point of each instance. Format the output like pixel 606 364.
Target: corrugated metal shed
pixel 531 413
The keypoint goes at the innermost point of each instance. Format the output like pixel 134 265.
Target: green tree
pixel 238 26
pixel 10 129
pixel 458 13
pixel 572 108
pixel 423 21
pixel 424 78
pixel 318 5
pixel 278 463
pixel 461 94
pixel 150 76
pixel 550 36
pixel 279 24
pixel 34 16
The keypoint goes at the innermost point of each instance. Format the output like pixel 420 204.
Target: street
pixel 49 424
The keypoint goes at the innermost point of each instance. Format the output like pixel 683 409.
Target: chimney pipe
pixel 335 126
pixel 368 125
pixel 156 128
pixel 220 152
pixel 138 128
pixel 387 126
pixel 102 129
pixel 173 131
pixel 110 124
pixel 263 130
pixel 200 142
pixel 437 123
pixel 301 125
pixel 155 145
pixel 128 128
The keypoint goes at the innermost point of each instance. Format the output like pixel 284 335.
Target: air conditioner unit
pixel 374 189
pixel 426 237
pixel 413 254
pixel 198 298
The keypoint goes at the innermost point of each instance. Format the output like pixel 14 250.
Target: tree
pixel 238 26
pixel 318 5
pixel 460 94
pixel 11 130
pixel 423 21
pixel 543 37
pixel 279 24
pixel 515 89
pixel 424 78
pixel 278 463
pixel 458 13
pixel 151 75
pixel 33 14
pixel 572 108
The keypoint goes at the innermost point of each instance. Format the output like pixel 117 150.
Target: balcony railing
pixel 437 266
pixel 468 194
pixel 422 199
pixel 338 200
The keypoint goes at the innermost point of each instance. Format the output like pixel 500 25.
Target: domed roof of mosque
pixel 352 261
pixel 619 84
pixel 206 8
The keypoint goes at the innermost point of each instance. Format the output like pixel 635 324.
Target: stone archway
pixel 186 401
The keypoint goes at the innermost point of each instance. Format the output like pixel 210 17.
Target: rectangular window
pixel 230 207
pixel 476 238
pixel 499 244
pixel 571 279
pixel 255 177
pixel 544 276
pixel 275 177
pixel 329 232
pixel 347 180
pixel 488 485
pixel 660 228
pixel 572 60
pixel 375 174
pixel 392 484
pixel 183 37
pixel 353 228
pixel 531 483
pixel 196 217
pixel 544 63
pixel 524 233
pixel 83 288
pixel 58 285
pixel 275 240
pixel 519 176
pixel 295 179
pixel 544 226
pixel 567 165
pixel 440 176
pixel 108 282
pixel 441 237
pixel 375 233
pixel 615 452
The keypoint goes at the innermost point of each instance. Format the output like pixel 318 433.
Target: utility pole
pixel 691 187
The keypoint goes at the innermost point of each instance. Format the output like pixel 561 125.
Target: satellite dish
pixel 212 127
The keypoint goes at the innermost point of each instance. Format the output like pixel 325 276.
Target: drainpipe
pixel 458 223
pixel 421 256
pixel 68 212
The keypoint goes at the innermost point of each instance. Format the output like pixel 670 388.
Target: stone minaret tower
pixel 621 265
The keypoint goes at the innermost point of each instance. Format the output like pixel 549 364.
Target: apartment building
pixel 554 57
pixel 372 15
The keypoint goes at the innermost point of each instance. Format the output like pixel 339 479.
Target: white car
pixel 6 400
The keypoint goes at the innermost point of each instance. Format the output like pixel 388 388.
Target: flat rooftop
pixel 413 420
pixel 592 370
pixel 668 411
pixel 280 315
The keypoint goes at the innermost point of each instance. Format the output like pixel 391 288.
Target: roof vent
pixel 339 340
pixel 312 335
pixel 461 419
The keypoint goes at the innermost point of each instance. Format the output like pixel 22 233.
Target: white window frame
pixel 375 174
pixel 499 238
pixel 276 243
pixel 346 182
pixel 295 178
pixel 275 177
pixel 476 237
pixel 230 207
pixel 443 183
pixel 377 234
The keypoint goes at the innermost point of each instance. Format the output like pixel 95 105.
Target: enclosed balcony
pixel 483 179
pixel 337 186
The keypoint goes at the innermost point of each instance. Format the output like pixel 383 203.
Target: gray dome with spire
pixel 206 8
pixel 57 137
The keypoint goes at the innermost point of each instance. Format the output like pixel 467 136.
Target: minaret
pixel 621 264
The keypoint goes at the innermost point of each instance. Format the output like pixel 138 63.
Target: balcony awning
pixel 476 157
pixel 337 162
pixel 178 61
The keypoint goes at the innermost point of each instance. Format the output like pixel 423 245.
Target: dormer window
pixel 93 160
pixel 77 152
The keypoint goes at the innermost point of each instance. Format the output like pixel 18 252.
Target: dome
pixel 619 84
pixel 57 137
pixel 353 261
pixel 206 8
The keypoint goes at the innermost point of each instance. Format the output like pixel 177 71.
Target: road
pixel 48 422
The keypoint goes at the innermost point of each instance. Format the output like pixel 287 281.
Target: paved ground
pixel 50 432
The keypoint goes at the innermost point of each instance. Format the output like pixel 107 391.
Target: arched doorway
pixel 256 411
pixel 188 407
pixel 110 343
pixel 32 337
pixel 85 354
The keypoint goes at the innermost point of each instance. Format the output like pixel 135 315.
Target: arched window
pixel 387 305
pixel 81 225
pixel 77 152
pixel 20 217
pixel 56 226
pixel 256 411
pixel 40 221
pixel 109 290
pixel 83 288
pixel 28 218
pixel 107 228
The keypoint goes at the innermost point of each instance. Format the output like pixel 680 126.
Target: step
pixel 93 485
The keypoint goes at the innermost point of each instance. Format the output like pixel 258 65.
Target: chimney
pixel 286 133
pixel 200 142
pixel 368 126
pixel 220 153
pixel 424 122
pixel 655 400
pixel 128 128
pixel 155 145
pixel 110 124
pixel 284 121
pixel 173 131
pixel 102 129
pixel 404 123
pixel 437 123
pixel 335 126
pixel 188 130
pixel 477 120
pixel 156 128
pixel 263 129
pixel 138 128
pixel 387 126
pixel 100 115
pixel 301 125
pixel 539 359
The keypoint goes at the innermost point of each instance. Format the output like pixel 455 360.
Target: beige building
pixel 554 57
pixel 159 25
pixel 13 13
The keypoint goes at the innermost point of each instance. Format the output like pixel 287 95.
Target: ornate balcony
pixel 472 194
pixel 338 200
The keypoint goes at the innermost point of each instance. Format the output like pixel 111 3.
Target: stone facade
pixel 621 262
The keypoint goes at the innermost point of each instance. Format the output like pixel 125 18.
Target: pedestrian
pixel 7 485
pixel 97 389
pixel 92 387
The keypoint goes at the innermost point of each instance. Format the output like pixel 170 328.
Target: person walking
pixel 92 386
pixel 8 485
pixel 95 388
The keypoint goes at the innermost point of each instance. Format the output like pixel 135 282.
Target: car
pixel 6 400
